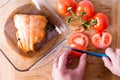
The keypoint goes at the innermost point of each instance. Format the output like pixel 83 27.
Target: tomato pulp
pixel 78 40
pixel 102 40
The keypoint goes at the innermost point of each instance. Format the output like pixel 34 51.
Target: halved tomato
pixel 102 40
pixel 77 54
pixel 78 40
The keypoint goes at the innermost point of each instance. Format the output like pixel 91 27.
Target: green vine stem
pixel 85 23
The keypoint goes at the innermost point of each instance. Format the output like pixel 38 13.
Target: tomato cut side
pixel 79 38
pixel 102 40
pixel 80 41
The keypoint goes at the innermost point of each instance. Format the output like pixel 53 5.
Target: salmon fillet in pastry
pixel 30 30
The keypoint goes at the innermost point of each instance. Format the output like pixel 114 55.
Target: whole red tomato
pixel 100 22
pixel 85 7
pixel 62 6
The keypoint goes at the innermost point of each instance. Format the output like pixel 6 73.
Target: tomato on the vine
pixel 85 8
pixel 63 5
pixel 100 21
pixel 102 40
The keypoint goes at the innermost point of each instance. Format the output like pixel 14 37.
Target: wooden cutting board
pixel 95 69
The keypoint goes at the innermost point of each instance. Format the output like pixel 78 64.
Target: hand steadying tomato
pixel 100 22
pixel 62 7
pixel 85 8
pixel 102 40
pixel 78 40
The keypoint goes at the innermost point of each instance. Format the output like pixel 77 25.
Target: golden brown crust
pixel 30 30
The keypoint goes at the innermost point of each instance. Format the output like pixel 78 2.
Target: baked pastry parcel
pixel 30 30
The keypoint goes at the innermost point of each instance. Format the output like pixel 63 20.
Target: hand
pixel 113 64
pixel 60 71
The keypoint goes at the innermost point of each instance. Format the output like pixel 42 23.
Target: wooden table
pixel 95 69
pixel 7 72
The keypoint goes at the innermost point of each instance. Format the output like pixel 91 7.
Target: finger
pixel 55 63
pixel 110 52
pixel 53 73
pixel 107 63
pixel 82 63
pixel 56 60
pixel 117 51
pixel 63 59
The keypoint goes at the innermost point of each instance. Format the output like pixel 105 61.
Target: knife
pixel 100 55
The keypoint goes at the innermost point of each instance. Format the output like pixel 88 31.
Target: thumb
pixel 107 63
pixel 82 63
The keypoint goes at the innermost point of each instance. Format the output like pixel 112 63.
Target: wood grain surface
pixel 95 69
